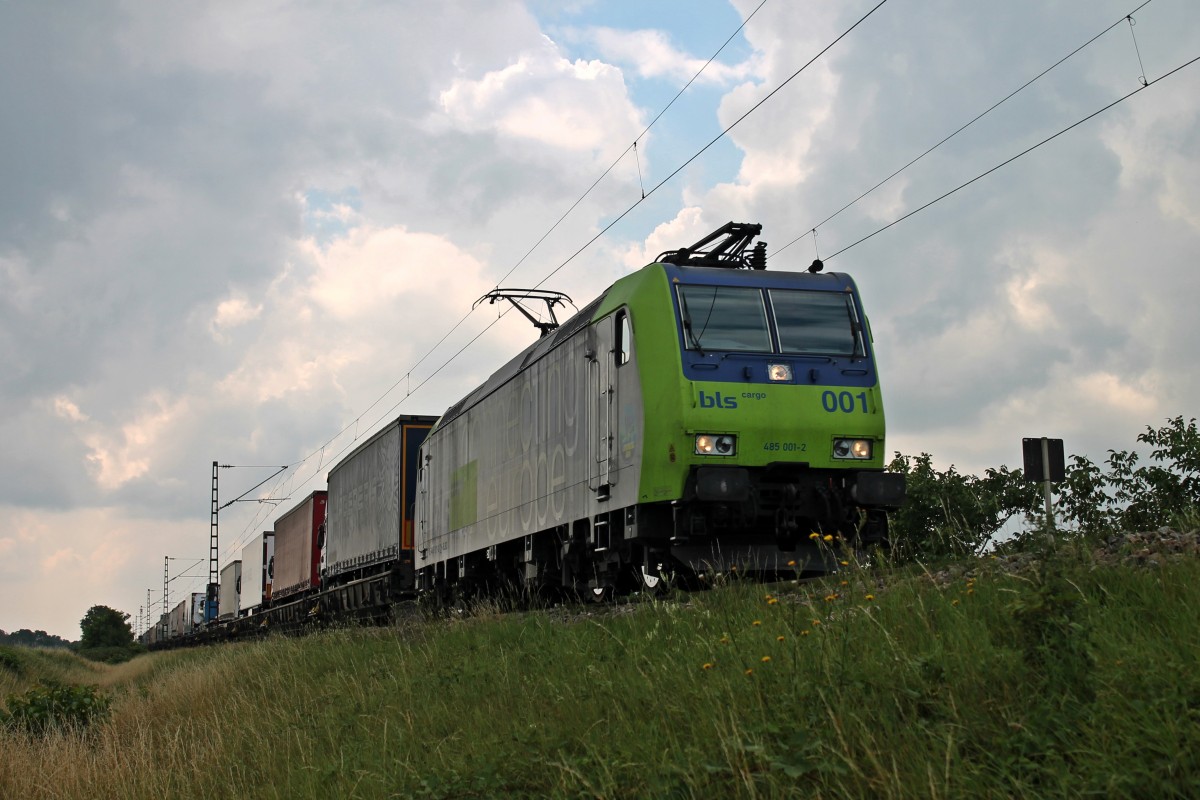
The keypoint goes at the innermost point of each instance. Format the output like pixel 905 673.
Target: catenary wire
pixel 408 373
pixel 1008 161
pixel 703 149
pixel 978 117
pixel 633 146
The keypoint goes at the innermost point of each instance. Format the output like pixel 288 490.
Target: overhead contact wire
pixel 980 116
pixel 1027 150
pixel 716 139
pixel 588 191
pixel 633 146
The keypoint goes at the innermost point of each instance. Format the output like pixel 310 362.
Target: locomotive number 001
pixel 844 402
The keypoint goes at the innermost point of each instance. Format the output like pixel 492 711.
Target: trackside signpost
pixel 1044 462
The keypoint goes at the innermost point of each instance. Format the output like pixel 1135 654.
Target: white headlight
pixel 779 372
pixel 858 449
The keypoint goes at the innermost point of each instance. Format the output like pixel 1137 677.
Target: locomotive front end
pixel 778 444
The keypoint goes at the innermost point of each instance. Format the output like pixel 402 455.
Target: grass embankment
pixel 1078 679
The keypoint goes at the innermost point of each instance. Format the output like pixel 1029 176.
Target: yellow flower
pixel 970 591
pixel 792 563
pixel 707 665
pixel 845 583
pixel 829 598
pixel 816 622
pixel 814 536
pixel 870 597
pixel 749 672
pixel 756 623
pixel 765 659
pixel 779 638
pixel 845 563
pixel 772 601
pixel 828 537
pixel 953 602
pixel 805 633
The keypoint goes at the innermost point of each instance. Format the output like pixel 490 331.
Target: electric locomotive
pixel 703 414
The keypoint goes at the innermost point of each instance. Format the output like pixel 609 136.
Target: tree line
pixel 27 638
pixel 948 514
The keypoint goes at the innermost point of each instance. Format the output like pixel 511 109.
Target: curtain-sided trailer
pixel 369 516
pixel 257 568
pixel 298 548
pixel 187 616
pixel 231 590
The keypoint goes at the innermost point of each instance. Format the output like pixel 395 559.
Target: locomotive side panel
pixel 619 438
pixel 515 463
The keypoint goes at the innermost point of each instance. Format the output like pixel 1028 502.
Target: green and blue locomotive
pixel 702 414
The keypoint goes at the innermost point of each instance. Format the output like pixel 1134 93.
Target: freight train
pixel 702 415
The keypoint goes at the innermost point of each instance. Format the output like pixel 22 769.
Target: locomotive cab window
pixel 624 349
pixel 816 322
pixel 735 318
pixel 724 318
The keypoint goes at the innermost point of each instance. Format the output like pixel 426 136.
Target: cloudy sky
pixel 249 232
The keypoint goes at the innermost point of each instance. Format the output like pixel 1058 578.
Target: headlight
pixel 716 444
pixel 779 372
pixel 859 449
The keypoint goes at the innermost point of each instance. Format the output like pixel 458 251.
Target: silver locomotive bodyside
pixel 551 443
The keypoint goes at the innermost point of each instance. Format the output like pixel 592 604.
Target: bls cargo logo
pixel 716 401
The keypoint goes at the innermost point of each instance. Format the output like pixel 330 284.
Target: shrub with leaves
pixel 58 707
pixel 112 655
pixel 949 514
pixel 1131 496
pixel 11 661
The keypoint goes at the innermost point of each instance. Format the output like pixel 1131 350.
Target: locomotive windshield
pixel 736 318
pixel 724 318
pixel 816 322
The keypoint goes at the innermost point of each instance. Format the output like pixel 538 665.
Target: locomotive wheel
pixel 599 594
pixel 653 582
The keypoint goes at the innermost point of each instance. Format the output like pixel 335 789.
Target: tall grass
pixel 1071 680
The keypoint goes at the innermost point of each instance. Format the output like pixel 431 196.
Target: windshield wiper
pixel 687 325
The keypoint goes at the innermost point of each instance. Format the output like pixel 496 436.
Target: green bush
pixel 949 515
pixel 1130 496
pixel 10 661
pixel 112 655
pixel 46 708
